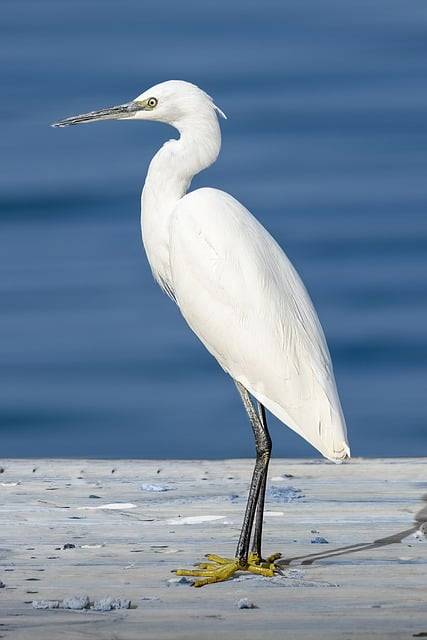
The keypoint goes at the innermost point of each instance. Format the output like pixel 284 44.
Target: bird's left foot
pixel 219 569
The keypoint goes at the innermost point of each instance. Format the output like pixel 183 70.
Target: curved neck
pixel 168 179
pixel 178 161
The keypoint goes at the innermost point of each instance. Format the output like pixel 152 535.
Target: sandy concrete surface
pixel 133 522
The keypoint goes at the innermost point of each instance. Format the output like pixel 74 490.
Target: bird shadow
pixel 420 519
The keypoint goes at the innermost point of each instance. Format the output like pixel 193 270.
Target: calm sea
pixel 325 143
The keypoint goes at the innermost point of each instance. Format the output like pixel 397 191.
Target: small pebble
pixel 177 582
pixel 421 534
pixel 244 603
pixel 110 604
pixel 92 546
pixel 319 540
pixel 285 494
pixel 76 602
pixel 154 487
pixel 46 604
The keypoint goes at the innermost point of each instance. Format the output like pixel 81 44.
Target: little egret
pixel 240 295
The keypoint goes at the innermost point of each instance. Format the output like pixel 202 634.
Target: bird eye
pixel 151 103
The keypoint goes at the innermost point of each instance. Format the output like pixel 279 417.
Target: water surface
pixel 325 143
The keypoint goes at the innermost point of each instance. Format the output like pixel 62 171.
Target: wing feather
pixel 242 297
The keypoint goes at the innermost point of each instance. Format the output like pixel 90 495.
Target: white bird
pixel 238 292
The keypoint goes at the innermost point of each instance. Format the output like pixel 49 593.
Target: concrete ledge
pixel 132 522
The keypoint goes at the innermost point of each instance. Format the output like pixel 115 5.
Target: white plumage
pixel 244 300
pixel 232 282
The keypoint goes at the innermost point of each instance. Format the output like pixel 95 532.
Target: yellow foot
pixel 268 563
pixel 219 569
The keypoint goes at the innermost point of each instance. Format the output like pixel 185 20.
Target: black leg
pixel 257 488
pixel 257 538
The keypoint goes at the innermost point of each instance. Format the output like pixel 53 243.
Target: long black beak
pixel 122 111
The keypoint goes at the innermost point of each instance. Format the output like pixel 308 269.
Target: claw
pixel 203 582
pixel 260 571
pixel 275 556
pixel 218 559
pixel 193 572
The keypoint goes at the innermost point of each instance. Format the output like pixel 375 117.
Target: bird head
pixel 173 102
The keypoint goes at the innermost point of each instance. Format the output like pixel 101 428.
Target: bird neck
pixel 168 179
pixel 178 161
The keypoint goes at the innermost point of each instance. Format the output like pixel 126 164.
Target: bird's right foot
pixel 267 563
pixel 219 569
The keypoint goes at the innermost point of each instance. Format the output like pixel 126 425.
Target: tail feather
pixel 327 434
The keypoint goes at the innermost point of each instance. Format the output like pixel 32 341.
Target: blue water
pixel 325 143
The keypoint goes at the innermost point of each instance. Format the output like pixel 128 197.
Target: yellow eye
pixel 151 103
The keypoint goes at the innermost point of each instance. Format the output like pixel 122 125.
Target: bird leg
pixel 255 555
pixel 218 569
pixel 257 489
pixel 263 448
pixel 259 518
